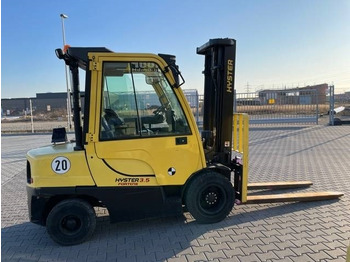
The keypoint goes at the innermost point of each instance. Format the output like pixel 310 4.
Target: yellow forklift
pixel 137 149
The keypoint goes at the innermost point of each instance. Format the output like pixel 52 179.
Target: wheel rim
pixel 70 225
pixel 212 200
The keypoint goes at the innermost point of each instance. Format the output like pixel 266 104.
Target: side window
pixel 138 101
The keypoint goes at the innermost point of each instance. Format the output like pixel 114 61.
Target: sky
pixel 280 44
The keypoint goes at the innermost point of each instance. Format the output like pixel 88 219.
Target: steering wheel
pixel 159 110
pixel 159 114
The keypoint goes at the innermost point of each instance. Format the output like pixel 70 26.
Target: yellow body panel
pixel 140 161
pixel 151 157
pixel 46 168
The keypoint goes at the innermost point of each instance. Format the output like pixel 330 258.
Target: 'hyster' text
pixel 130 181
pixel 229 86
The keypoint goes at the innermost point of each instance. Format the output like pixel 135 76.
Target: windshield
pixel 138 101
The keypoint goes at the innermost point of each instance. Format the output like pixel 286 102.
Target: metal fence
pixel 274 107
pixel 339 107
pixel 268 107
pixel 280 106
pixel 33 117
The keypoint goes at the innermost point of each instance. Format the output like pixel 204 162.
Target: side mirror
pixel 59 53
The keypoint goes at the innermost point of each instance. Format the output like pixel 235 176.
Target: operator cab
pixel 138 101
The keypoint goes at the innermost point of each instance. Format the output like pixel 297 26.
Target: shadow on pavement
pixel 146 240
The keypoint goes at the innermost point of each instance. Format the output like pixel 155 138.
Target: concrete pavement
pixel 314 231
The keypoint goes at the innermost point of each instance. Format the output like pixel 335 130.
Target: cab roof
pixel 80 54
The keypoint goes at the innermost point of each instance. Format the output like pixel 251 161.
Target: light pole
pixel 63 16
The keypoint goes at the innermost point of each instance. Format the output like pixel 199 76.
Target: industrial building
pixel 308 95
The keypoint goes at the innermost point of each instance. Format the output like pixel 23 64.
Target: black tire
pixel 209 197
pixel 71 222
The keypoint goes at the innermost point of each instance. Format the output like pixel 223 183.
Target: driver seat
pixel 114 121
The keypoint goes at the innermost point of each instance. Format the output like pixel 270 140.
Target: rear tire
pixel 71 222
pixel 209 197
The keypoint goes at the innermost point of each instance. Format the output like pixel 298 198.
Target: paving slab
pixel 313 231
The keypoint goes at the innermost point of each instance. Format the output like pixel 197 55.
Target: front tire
pixel 209 197
pixel 71 222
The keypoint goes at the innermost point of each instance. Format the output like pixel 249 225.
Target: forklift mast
pixel 219 72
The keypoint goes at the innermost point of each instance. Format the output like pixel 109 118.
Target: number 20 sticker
pixel 60 165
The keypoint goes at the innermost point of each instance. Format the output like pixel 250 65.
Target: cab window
pixel 137 101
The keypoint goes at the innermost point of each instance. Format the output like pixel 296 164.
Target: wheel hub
pixel 71 224
pixel 211 198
